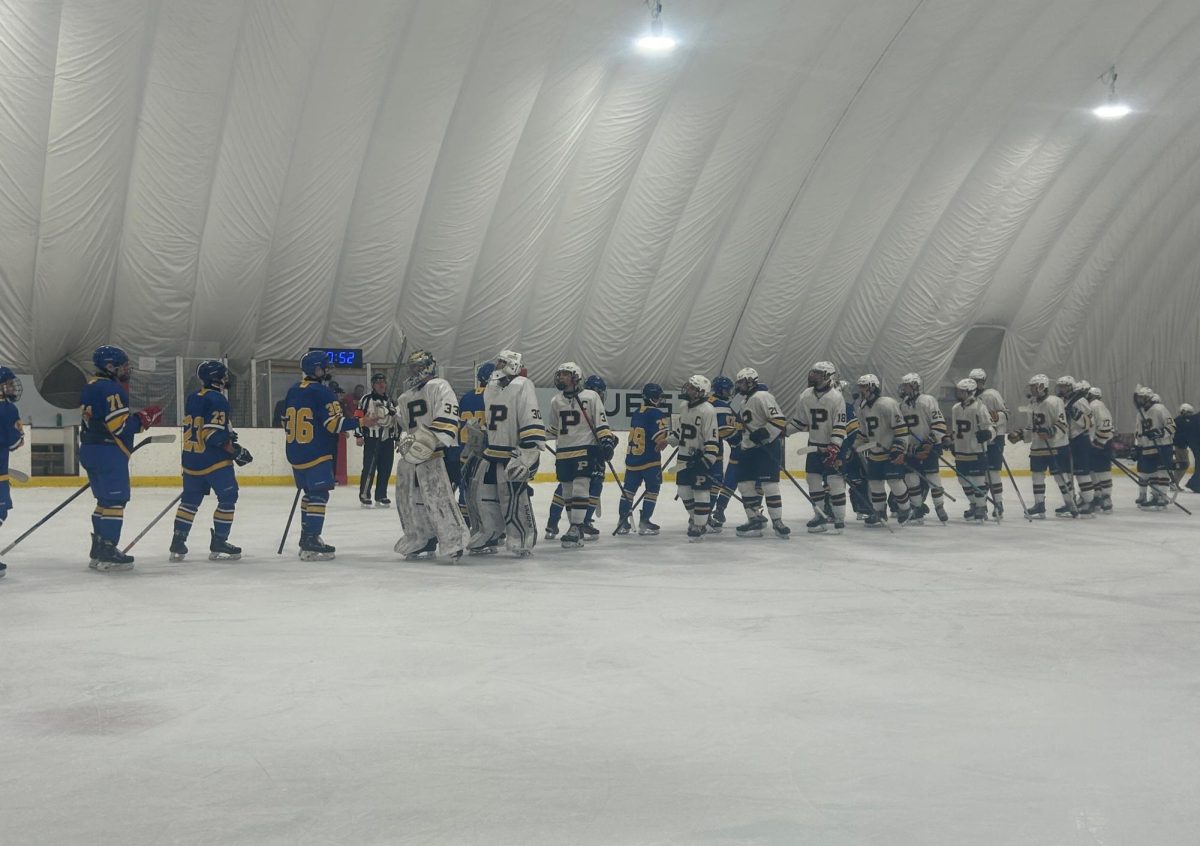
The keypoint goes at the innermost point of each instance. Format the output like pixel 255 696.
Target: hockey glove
pixel 523 465
pixel 983 436
pixel 1014 436
pixel 241 455
pixel 420 446
pixel 697 464
pixel 831 455
pixel 606 449
pixel 149 416
pixel 760 436
pixel 898 455
pixel 924 451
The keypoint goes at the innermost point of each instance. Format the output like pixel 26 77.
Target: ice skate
pixel 365 502
pixel 623 526
pixel 3 569
pixel 429 550
pixel 312 548
pixel 487 547
pixel 1066 510
pixel 941 514
pixel 713 526
pixel 551 531
pixel 1037 511
pixel 572 538
pixel 645 527
pixel 752 528
pixel 590 532
pixel 179 548
pixel 817 525
pixel 110 559
pixel 383 502
pixel 874 520
pixel 780 528
pixel 220 549
pixel 903 516
pixel 695 534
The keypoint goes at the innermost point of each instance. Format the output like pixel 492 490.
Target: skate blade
pixel 419 556
pixel 651 532
pixel 174 557
pixel 572 544
pixel 453 558
pixel 783 537
pixel 590 539
pixel 752 534
pixel 483 550
pixel 102 567
pixel 697 539
pixel 224 556
pixel 316 556
pixel 521 553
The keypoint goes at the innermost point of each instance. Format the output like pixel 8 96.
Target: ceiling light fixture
pixel 1112 108
pixel 655 42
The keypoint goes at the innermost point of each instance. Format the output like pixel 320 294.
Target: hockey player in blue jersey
pixel 106 440
pixel 643 460
pixel 312 418
pixel 12 435
pixel 209 449
pixel 470 415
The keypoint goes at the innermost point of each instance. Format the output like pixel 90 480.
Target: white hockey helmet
pixel 1186 410
pixel 964 389
pixel 1039 386
pixel 869 386
pixel 910 385
pixel 1143 396
pixel 1155 398
pixel 821 374
pixel 746 380
pixel 979 375
pixel 697 388
pixel 1083 386
pixel 1094 393
pixel 508 363
pixel 576 373
pixel 1064 386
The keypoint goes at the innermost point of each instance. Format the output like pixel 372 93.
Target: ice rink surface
pixel 1011 684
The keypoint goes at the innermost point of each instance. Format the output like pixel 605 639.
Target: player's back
pixel 104 405
pixel 306 408
pixel 204 412
pixel 647 425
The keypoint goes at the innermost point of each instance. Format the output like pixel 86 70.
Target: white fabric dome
pixel 855 180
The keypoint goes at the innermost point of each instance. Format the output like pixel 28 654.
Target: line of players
pixel 488 444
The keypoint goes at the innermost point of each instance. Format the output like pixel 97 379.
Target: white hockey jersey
pixel 698 433
pixel 924 418
pixel 1156 426
pixel 569 426
pixel 823 416
pixel 512 417
pixel 967 419
pixel 881 425
pixel 432 405
pixel 1102 423
pixel 997 408
pixel 1047 426
pixel 1079 418
pixel 761 411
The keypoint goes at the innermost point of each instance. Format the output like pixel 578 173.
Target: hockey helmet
pixel 1039 386
pixel 421 366
pixel 910 385
pixel 213 374
pixel 746 381
pixel 1083 386
pixel 10 385
pixel 869 386
pixel 1185 410
pixel 1094 393
pixel 722 387
pixel 485 371
pixel 595 383
pixel 508 363
pixel 964 389
pixel 1143 397
pixel 652 393
pixel 979 375
pixel 1065 386
pixel 821 374
pixel 312 361
pixel 110 356
pixel 697 389
pixel 571 369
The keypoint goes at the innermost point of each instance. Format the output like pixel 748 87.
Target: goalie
pixel 425 498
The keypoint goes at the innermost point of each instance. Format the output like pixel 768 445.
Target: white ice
pixel 1012 684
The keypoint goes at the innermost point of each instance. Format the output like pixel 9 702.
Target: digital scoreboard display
pixel 341 356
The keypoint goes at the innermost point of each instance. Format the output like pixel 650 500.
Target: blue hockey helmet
pixel 722 387
pixel 111 356
pixel 313 359
pixel 485 371
pixel 595 383
pixel 10 385
pixel 652 392
pixel 212 373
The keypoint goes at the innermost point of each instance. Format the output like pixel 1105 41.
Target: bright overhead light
pixel 655 42
pixel 1113 108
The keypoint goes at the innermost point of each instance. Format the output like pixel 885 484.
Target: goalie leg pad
pixel 441 507
pixel 520 526
pixel 413 517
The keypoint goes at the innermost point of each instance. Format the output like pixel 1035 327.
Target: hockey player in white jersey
pixel 998 409
pixel 515 435
pixel 822 413
pixel 971 431
pixel 1154 446
pixel 1047 439
pixel 694 431
pixel 927 429
pixel 885 435
pixel 1100 459
pixel 763 425
pixel 573 414
pixel 427 414
pixel 1079 439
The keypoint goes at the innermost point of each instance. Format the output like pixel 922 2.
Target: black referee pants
pixel 378 454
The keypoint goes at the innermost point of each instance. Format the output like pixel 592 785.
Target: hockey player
pixel 516 435
pixel 927 429
pixel 1047 439
pixel 694 431
pixel 822 413
pixel 580 427
pixel 425 499
pixel 313 421
pixel 885 435
pixel 470 429
pixel 106 440
pixel 729 429
pixel 998 409
pixel 378 443
pixel 596 487
pixel 1153 446
pixel 1100 457
pixel 1079 439
pixel 12 436
pixel 971 433
pixel 643 460
pixel 763 425
pixel 209 450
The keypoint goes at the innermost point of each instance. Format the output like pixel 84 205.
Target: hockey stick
pixel 152 523
pixel 18 475
pixel 588 419
pixel 153 439
pixel 288 526
pixel 974 487
pixel 1115 461
pixel 1020 498
pixel 827 514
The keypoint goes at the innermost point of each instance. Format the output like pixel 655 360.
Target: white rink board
pixel 1007 684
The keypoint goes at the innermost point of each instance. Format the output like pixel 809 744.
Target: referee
pixel 378 443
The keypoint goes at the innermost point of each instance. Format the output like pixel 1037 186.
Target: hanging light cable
pixel 1112 108
pixel 655 42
